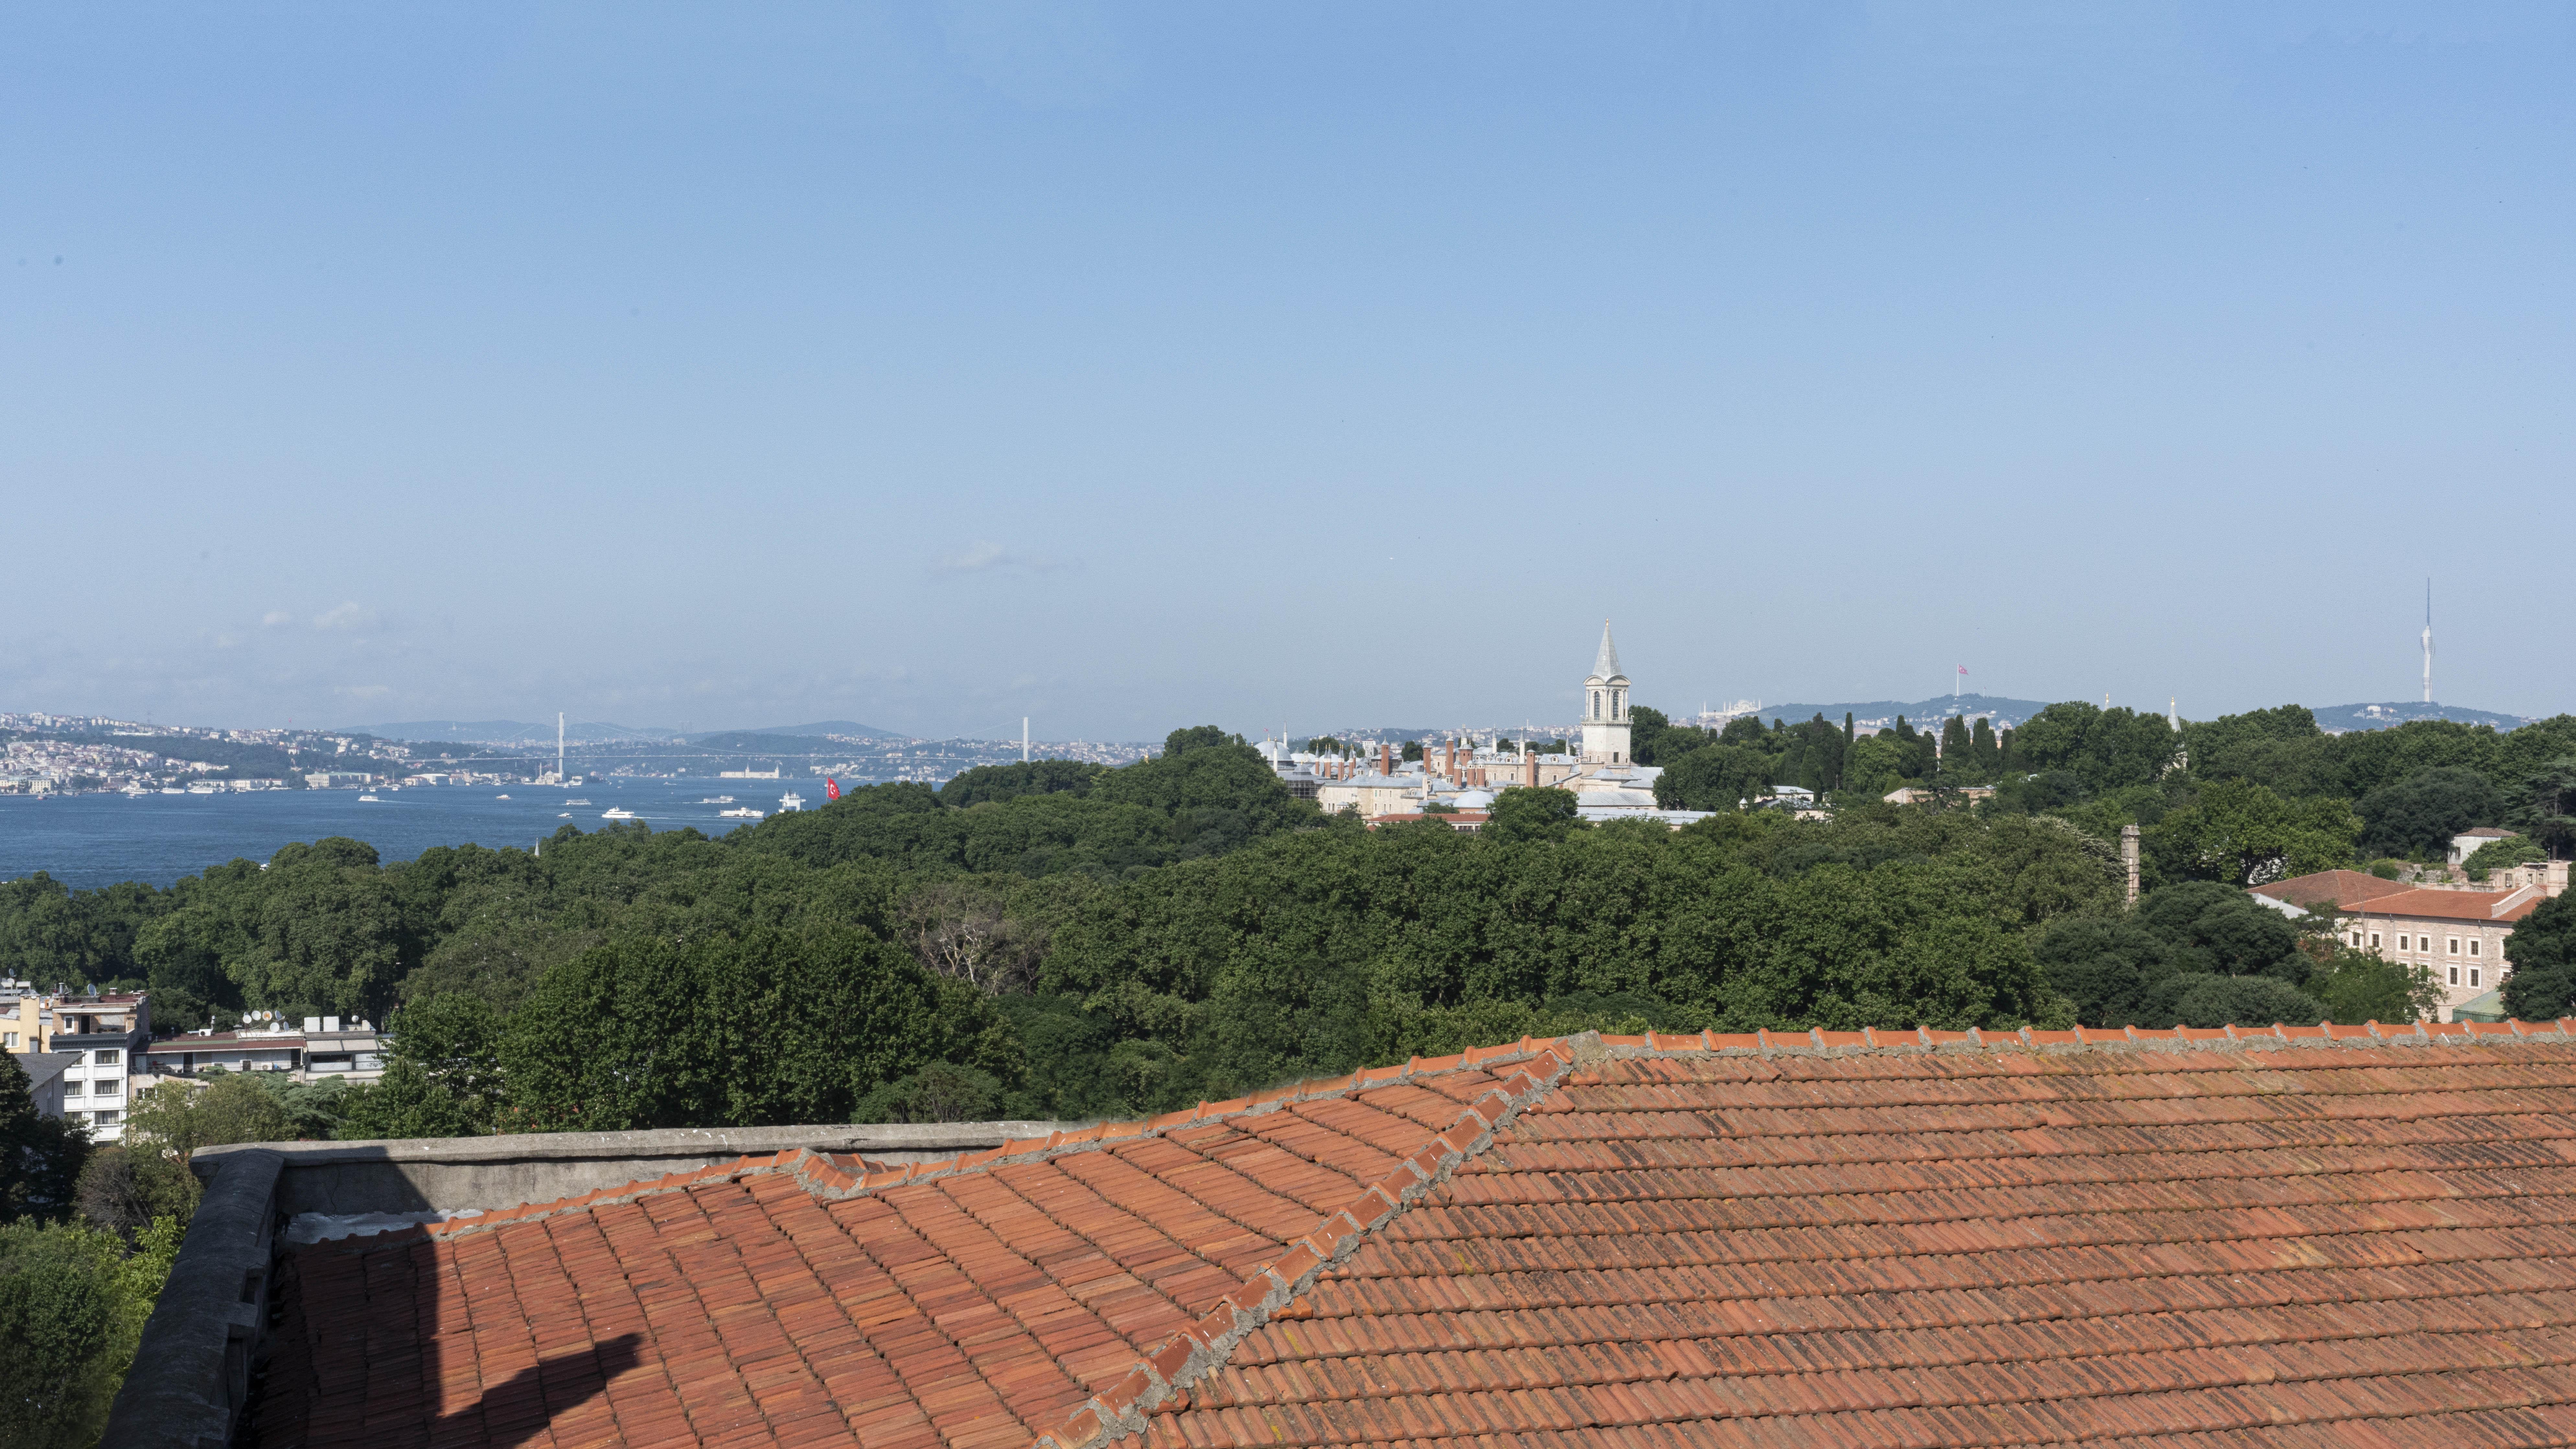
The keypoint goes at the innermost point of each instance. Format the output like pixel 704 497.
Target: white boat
pixel 576 802
pixel 617 812
pixel 172 790
pixel 500 797
pixel 742 812
pixel 567 815
pixel 717 800
pixel 791 801
pixel 369 800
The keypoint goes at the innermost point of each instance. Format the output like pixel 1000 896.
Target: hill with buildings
pixel 513 732
pixel 2343 718
pixel 1882 713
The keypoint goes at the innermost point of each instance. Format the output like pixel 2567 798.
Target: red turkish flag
pixel 831 789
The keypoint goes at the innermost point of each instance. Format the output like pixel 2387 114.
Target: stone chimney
pixel 2129 859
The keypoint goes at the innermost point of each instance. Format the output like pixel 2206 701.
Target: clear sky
pixel 1130 366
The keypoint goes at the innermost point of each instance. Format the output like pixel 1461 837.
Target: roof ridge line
pixel 1816 1041
pixel 836 1176
pixel 1204 1346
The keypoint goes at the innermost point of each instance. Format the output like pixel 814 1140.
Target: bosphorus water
pixel 85 841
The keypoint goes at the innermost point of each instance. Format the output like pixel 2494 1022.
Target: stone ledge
pixel 511 1170
pixel 191 1374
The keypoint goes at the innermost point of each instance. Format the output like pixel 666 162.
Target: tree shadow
pixel 517 1410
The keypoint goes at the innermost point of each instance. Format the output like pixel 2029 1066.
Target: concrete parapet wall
pixel 192 1374
pixel 447 1173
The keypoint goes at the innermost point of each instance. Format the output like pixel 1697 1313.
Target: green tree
pixel 1534 813
pixel 444 1079
pixel 40 1156
pixel 2544 807
pixel 764 1028
pixel 2542 949
pixel 57 1324
pixel 2111 749
pixel 2243 834
pixel 1713 777
pixel 1876 765
pixel 938 1092
pixel 178 1117
pixel 2497 854
pixel 2195 954
pixel 2417 816
pixel 1008 782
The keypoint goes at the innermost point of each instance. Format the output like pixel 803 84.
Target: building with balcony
pixel 108 1033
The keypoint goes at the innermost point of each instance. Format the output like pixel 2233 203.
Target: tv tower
pixel 2428 641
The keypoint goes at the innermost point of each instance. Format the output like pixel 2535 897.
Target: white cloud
pixel 275 617
pixel 352 615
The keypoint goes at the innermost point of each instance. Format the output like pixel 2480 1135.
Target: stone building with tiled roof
pixel 2318 1236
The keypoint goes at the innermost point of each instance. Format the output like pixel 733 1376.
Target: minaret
pixel 2428 641
pixel 1605 707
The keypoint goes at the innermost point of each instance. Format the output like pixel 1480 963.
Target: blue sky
pixel 1129 366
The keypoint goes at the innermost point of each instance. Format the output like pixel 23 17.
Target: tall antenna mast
pixel 2428 641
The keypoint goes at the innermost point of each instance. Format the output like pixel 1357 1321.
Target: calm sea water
pixel 95 840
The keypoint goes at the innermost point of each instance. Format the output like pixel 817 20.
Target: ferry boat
pixel 369 800
pixel 576 802
pixel 791 801
pixel 617 812
pixel 742 812
pixel 717 800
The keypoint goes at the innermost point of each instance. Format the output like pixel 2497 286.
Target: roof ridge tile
pixel 1168 1369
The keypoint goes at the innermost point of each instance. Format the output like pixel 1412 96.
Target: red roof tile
pixel 2347 888
pixel 2428 903
pixel 2284 1236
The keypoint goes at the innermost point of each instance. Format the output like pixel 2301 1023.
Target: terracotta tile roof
pixel 2454 905
pixel 2301 1236
pixel 2347 888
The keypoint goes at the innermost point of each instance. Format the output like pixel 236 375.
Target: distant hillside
pixel 2339 718
pixel 1882 713
pixel 843 728
pixel 510 732
pixel 765 745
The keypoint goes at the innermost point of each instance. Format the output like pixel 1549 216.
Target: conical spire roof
pixel 1605 665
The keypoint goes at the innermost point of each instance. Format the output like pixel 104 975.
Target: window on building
pixel 103 1119
pixel 2473 945
pixel 2455 976
pixel 2454 944
pixel 107 1058
pixel 2374 940
pixel 107 1086
pixel 2473 976
pixel 74 1089
pixel 9 1039
pixel 2401 943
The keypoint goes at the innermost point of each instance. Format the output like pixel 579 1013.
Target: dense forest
pixel 1064 940
pixel 1067 940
